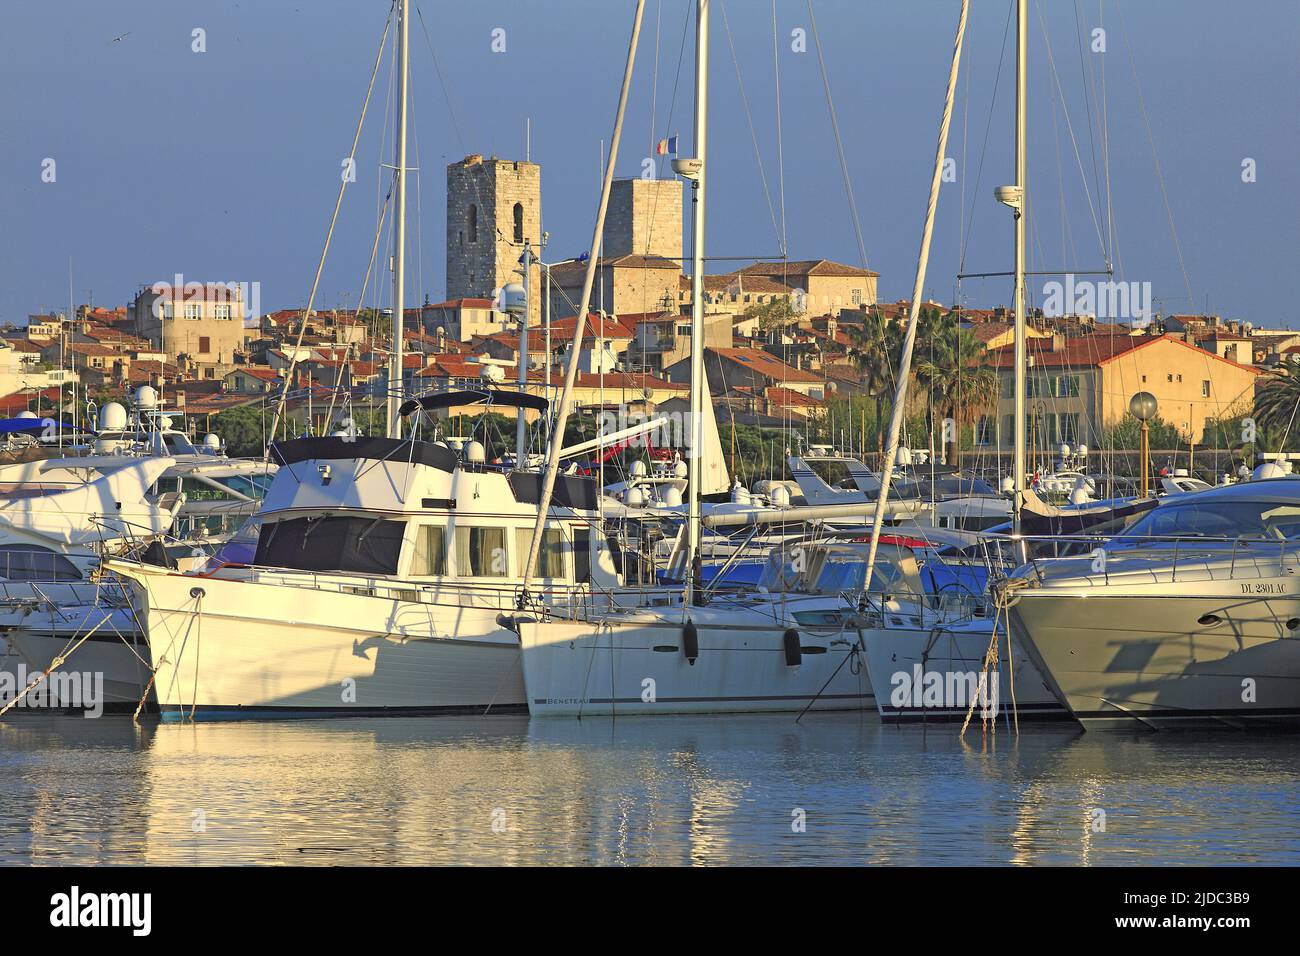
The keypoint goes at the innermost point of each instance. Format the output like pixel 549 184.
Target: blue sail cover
pixel 36 427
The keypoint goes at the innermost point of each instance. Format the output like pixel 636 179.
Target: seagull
pixel 119 39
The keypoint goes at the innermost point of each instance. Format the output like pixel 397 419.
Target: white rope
pixel 580 320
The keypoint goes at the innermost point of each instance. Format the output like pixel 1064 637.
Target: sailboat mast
pixel 698 385
pixel 399 232
pixel 1021 352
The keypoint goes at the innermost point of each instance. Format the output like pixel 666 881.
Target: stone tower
pixel 493 205
pixel 644 219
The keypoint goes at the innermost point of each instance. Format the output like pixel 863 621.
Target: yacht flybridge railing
pixel 1164 556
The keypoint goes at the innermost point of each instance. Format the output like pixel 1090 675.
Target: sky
pixel 224 164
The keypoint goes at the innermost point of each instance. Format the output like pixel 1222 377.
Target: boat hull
pixel 113 651
pixel 640 667
pixel 232 649
pixel 1132 660
pixel 923 674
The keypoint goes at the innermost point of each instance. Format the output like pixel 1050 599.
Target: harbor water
pixel 830 789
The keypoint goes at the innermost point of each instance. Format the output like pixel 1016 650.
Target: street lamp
pixel 1142 406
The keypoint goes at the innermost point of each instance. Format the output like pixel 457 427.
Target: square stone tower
pixel 493 205
pixel 644 219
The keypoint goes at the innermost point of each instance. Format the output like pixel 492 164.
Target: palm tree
pixel 874 351
pixel 957 374
pixel 1277 400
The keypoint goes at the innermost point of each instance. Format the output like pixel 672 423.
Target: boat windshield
pixel 845 569
pixel 330 543
pixel 1216 518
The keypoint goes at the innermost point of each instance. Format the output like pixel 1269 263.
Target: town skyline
pixel 250 203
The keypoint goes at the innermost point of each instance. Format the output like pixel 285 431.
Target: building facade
pixel 203 322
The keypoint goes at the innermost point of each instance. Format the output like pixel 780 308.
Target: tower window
pixel 519 222
pixel 473 222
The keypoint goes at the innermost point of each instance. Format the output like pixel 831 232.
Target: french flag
pixel 667 146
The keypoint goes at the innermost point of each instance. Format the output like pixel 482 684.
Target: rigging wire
pixel 320 266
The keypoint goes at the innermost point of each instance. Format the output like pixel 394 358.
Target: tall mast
pixel 399 232
pixel 695 172
pixel 1021 352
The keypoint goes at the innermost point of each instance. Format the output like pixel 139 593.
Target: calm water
pixel 718 790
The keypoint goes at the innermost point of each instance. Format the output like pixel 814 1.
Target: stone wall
pixel 482 252
pixel 644 218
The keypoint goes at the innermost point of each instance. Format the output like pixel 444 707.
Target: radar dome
pixel 635 498
pixel 112 417
pixel 211 442
pixel 475 453
pixel 638 469
pixel 780 495
pixel 672 497
pixel 1270 469
pixel 146 397
pixel 26 414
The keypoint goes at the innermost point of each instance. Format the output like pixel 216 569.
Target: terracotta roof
pixel 18 401
pixel 789 397
pixel 765 364
pixel 814 267
pixel 467 303
pixel 265 374
pixel 611 328
pixel 1092 351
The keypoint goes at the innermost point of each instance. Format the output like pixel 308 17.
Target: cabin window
pixel 481 552
pixel 430 551
pixel 550 556
pixel 363 545
pixel 29 562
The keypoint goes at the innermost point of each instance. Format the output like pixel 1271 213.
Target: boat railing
pixel 1173 553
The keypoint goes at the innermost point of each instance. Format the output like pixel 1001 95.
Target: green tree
pixel 957 376
pixel 874 351
pixel 242 429
pixel 1276 402
pixel 775 315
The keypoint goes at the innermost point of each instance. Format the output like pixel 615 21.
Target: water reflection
pixel 717 790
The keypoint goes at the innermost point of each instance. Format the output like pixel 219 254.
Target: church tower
pixel 493 205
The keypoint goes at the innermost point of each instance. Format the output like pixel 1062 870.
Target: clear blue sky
pixel 223 165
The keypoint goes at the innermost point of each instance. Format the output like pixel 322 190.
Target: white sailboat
pixel 698 653
pixel 923 654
